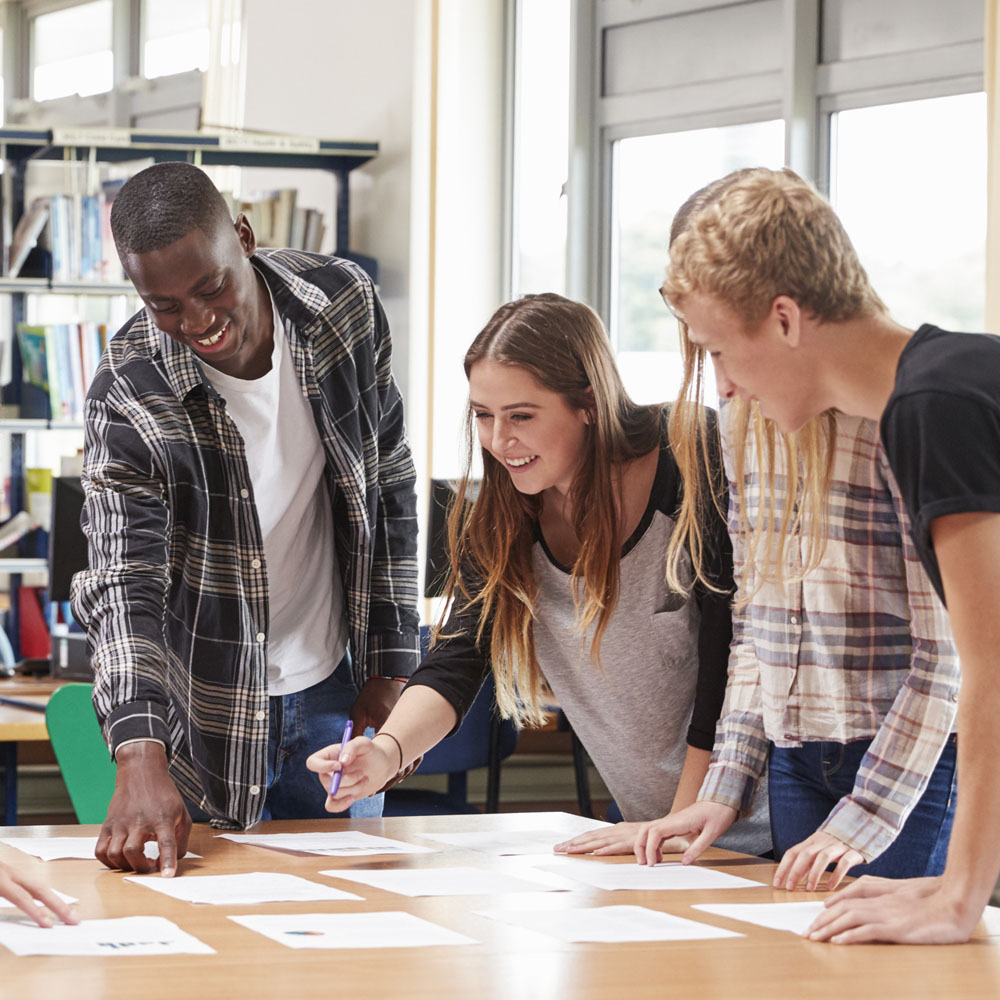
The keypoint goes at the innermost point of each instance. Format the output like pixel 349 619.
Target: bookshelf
pixel 19 147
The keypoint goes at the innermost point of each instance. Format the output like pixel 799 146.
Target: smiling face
pixel 766 364
pixel 203 292
pixel 531 431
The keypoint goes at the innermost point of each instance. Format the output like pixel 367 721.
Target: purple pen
pixel 335 783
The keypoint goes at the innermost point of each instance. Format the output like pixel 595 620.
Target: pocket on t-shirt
pixel 673 630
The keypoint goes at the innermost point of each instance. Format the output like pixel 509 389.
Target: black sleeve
pixel 716 630
pixel 945 452
pixel 457 666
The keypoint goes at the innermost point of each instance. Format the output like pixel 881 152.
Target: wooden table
pixel 19 724
pixel 508 964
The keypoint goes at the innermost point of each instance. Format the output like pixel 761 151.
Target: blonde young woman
pixel 559 575
pixel 843 672
pixel 768 286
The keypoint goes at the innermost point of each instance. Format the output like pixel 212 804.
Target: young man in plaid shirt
pixel 251 517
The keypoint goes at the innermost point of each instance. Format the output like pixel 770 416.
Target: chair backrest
pixel 83 757
pixel 469 748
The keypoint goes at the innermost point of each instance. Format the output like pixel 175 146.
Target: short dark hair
pixel 162 204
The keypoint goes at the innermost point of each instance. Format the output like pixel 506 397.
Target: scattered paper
pixel 59 848
pixel 794 917
pixel 346 843
pixel 507 842
pixel 668 875
pixel 448 881
pixel 6 904
pixel 241 890
pixel 609 924
pixel 123 936
pixel 991 921
pixel 392 929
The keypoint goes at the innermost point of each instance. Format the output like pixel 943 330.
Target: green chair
pixel 81 752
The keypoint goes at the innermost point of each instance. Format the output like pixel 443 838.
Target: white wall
pixel 468 240
pixel 343 69
pixel 431 214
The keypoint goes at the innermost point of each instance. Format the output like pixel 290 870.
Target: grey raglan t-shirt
pixel 663 664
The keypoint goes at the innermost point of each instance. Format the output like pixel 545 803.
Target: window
pixel 541 146
pixel 71 51
pixel 175 36
pixel 909 182
pixel 652 176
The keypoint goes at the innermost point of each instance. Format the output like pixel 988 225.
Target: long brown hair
pixel 563 345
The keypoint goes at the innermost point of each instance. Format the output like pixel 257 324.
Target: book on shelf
pixel 80 240
pixel 278 221
pixel 26 234
pixel 58 363
pixel 73 231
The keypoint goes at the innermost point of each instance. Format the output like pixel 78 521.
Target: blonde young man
pixel 767 283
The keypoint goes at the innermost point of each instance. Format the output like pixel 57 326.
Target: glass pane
pixel 909 182
pixel 161 18
pixel 90 74
pixel 541 142
pixel 73 31
pixel 175 54
pixel 652 176
pixel 71 51
pixel 175 36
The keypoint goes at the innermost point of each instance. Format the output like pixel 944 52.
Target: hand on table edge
pixel 23 892
pixel 145 806
pixel 807 861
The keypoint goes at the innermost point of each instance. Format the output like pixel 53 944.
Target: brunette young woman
pixel 567 572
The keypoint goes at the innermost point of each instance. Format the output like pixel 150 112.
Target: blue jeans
pixel 806 782
pixel 298 725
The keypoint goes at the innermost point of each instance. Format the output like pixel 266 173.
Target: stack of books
pixel 74 231
pixel 58 364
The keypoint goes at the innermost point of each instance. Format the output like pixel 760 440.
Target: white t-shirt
pixel 307 637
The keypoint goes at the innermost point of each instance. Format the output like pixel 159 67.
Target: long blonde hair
pixel 745 239
pixel 563 345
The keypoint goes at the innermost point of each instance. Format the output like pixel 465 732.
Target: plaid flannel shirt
pixel 175 598
pixel 859 649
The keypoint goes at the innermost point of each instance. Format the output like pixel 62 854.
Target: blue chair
pixel 483 740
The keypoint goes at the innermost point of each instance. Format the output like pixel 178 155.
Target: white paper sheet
pixel 609 924
pixel 123 936
pixel 346 843
pixel 667 875
pixel 991 921
pixel 59 848
pixel 6 904
pixel 511 842
pixel 241 890
pixel 448 881
pixel 794 917
pixel 391 929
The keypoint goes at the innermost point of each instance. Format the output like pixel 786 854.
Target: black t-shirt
pixel 941 430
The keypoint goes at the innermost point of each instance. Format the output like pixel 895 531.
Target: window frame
pixel 805 92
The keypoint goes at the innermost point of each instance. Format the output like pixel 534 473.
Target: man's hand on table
pixel 904 911
pixel 146 807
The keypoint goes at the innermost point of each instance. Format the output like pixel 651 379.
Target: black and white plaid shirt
pixel 175 599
